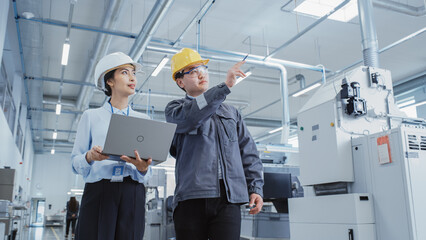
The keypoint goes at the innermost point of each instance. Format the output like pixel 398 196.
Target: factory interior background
pixel 310 43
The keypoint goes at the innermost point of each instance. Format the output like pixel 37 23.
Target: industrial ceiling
pixel 151 30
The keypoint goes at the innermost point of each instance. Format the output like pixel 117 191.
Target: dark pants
pixel 208 218
pixel 112 210
pixel 72 221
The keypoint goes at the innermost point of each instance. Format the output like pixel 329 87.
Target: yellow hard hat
pixel 185 58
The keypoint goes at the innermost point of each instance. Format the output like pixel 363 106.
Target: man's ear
pixel 179 82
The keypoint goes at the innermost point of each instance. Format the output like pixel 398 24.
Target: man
pixel 217 164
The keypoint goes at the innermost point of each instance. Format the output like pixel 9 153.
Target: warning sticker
pixel 383 147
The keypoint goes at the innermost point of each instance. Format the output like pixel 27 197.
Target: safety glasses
pixel 202 69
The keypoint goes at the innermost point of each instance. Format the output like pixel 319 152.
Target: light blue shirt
pixel 92 130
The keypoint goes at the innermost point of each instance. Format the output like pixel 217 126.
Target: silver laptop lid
pixel 151 138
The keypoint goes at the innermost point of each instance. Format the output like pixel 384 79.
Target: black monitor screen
pixel 277 185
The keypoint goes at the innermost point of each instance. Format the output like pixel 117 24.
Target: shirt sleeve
pixel 82 145
pixel 189 115
pixel 252 165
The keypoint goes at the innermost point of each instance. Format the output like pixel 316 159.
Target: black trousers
pixel 112 210
pixel 208 218
pixel 72 221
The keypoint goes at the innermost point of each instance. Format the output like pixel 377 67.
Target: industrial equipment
pixel 281 183
pixel 159 215
pixel 360 176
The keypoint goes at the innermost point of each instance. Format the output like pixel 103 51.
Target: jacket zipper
pixel 220 148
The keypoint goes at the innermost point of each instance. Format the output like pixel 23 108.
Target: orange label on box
pixel 383 147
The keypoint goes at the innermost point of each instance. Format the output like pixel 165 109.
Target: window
pixel 9 110
pixel 6 99
pixel 19 140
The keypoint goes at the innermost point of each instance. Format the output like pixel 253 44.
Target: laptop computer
pixel 150 138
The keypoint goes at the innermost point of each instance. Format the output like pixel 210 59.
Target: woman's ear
pixel 110 82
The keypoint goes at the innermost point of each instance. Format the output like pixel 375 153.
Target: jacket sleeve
pixel 189 115
pixel 253 168
pixel 82 144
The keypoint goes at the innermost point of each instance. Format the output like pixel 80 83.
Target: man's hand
pixel 95 154
pixel 233 73
pixel 258 201
pixel 140 164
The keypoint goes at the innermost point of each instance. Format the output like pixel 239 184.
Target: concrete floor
pixel 43 233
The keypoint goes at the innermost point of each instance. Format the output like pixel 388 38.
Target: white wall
pixel 11 157
pixel 52 179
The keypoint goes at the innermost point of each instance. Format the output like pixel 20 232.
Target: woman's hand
pixel 141 164
pixel 95 154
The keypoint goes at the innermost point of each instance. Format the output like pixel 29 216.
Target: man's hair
pixel 177 76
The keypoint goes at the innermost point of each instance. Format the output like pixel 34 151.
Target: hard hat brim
pixel 203 61
pixel 136 65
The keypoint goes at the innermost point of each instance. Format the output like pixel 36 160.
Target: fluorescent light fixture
pixel 52 151
pixel 65 53
pixel 305 90
pixel 275 130
pixel 77 190
pixel 78 193
pixel 55 135
pixel 411 103
pixel 58 109
pixel 404 104
pixel 160 67
pixel 319 8
pixel 242 78
pixel 69 193
pixel 419 104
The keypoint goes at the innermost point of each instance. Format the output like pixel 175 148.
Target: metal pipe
pixel 170 43
pixel 101 46
pixel 80 27
pixel 392 45
pixel 58 80
pixel 283 81
pixel 306 30
pixel 53 130
pixel 198 35
pixel 149 28
pixel 261 108
pixel 368 33
pixel 202 11
pixel 401 8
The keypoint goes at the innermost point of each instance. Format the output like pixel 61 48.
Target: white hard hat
pixel 110 62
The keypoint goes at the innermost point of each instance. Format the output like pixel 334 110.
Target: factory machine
pixel 281 173
pixel 362 163
pixel 158 215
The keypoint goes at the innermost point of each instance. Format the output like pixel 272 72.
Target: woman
pixel 72 213
pixel 113 202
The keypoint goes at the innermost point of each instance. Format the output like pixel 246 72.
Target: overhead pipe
pixel 170 43
pixel 401 8
pixel 201 12
pixel 283 81
pixel 101 46
pixel 149 28
pixel 370 48
pixel 268 57
pixel 34 119
pixel 390 46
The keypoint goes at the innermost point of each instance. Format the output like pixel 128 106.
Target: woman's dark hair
pixel 107 76
pixel 73 204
